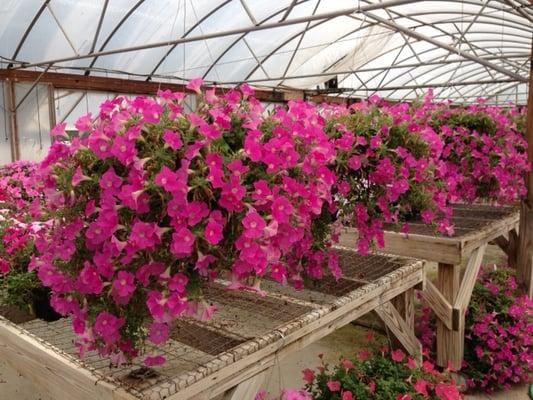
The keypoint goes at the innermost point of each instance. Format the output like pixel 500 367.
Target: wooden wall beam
pixel 525 246
pixel 126 86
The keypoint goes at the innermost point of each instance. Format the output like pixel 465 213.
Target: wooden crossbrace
pixel 401 330
pixel 462 298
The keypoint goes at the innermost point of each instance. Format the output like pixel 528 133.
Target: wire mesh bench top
pixel 474 224
pixel 246 334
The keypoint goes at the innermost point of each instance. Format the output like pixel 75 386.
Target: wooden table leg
pixel 513 248
pixel 524 267
pixel 449 342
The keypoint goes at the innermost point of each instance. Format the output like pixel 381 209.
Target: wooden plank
pixel 372 295
pixel 513 248
pixel 439 304
pixel 491 232
pixel 248 388
pixel 467 286
pixel 405 305
pixel 227 370
pixel 408 307
pixel 55 374
pixel 450 343
pixel 524 265
pixel 446 250
pixel 124 86
pixel 525 248
pixel 502 242
pixel 400 329
pixel 431 248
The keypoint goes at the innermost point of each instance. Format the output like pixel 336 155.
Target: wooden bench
pixel 232 353
pixel 475 227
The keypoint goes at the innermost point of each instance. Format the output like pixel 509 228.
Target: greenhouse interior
pixel 259 200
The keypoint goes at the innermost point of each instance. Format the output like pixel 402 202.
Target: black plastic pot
pixel 41 305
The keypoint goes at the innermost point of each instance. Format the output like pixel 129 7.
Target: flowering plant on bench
pixel 150 201
pixel 20 219
pixel 485 151
pixel 387 169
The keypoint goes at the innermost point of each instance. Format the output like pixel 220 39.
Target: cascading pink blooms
pixel 19 212
pixel 387 169
pixel 484 155
pixel 151 202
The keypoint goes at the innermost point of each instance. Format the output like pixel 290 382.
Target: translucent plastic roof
pixel 399 48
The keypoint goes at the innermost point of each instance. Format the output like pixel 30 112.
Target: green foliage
pixel 380 377
pixel 17 287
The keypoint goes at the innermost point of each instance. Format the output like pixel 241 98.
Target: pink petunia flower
pixel 254 225
pixel 158 333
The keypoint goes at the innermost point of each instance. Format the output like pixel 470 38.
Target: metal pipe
pixel 519 10
pixel 99 26
pixel 343 72
pixel 115 29
pixel 35 83
pixel 294 21
pixel 29 28
pixel 417 35
pixel 439 85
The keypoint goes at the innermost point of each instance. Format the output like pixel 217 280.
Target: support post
pixel 525 245
pixel 513 248
pixel 12 109
pixel 450 343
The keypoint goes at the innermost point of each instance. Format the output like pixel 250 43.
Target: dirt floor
pixel 287 374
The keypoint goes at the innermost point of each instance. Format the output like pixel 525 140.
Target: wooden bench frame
pixel 450 297
pixel 239 375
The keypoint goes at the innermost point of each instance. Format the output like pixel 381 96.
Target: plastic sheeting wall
pixel 33 121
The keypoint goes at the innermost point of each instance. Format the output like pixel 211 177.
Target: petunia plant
pixel 387 169
pixel 498 333
pixel 20 219
pixel 378 374
pixel 150 202
pixel 484 154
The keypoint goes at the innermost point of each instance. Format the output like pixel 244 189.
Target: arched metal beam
pixel 98 27
pixel 366 63
pixel 113 32
pixel 192 28
pixel 234 43
pixel 465 74
pixel 229 32
pixel 29 28
pixel 451 49
pixel 421 23
pixel 372 69
pixel 432 70
pixel 435 25
pixel 273 52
